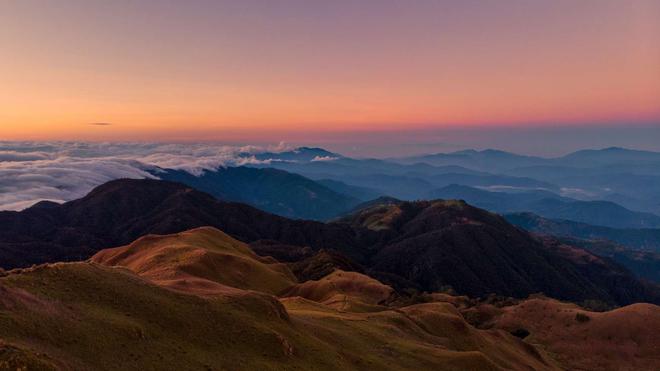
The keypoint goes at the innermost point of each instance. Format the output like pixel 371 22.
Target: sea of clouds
pixel 62 171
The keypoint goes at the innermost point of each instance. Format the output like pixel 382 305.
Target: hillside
pixel 203 261
pixel 581 340
pixel 442 244
pixel 88 316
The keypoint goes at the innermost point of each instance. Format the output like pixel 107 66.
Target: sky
pixel 365 77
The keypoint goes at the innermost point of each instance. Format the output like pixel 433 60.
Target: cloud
pixel 100 123
pixel 62 171
pixel 6 156
pixel 324 158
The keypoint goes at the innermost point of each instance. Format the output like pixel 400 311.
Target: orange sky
pixel 223 70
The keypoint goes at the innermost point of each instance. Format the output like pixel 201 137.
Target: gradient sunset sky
pixel 312 70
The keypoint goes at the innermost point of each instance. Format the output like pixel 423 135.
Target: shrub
pixel 520 333
pixel 581 317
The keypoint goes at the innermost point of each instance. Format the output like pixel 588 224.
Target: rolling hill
pixel 582 340
pixel 90 316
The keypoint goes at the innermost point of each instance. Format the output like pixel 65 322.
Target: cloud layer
pixel 62 171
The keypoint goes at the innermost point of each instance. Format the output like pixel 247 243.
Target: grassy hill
pixel 90 316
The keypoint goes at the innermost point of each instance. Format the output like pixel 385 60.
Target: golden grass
pixel 202 261
pixel 626 338
pixel 130 316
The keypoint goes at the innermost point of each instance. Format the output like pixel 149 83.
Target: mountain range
pixel 426 245
pixel 627 177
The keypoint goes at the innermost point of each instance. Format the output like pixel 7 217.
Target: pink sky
pixel 265 70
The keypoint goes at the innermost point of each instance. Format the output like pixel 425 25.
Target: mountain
pixel 601 213
pixel 610 156
pixel 492 200
pixel 120 211
pixel 360 193
pixel 425 245
pixel 488 160
pixel 638 239
pixel 406 181
pixel 272 190
pixel 550 205
pixel 441 244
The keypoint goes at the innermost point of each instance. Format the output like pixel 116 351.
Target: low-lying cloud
pixel 62 171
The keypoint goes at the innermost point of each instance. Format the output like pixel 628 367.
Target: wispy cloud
pixel 100 123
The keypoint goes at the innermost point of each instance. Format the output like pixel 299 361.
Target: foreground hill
pixel 272 190
pixel 616 340
pixel 120 311
pixel 428 245
pixel 88 316
pixel 203 261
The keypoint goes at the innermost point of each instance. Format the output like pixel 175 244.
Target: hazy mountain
pixel 491 160
pixel 488 160
pixel 610 156
pixel 549 205
pixel 360 193
pixel 272 190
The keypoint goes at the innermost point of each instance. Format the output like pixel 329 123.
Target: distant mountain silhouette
pixel 272 190
pixel 610 156
pixel 488 160
pixel 492 160
pixel 360 193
